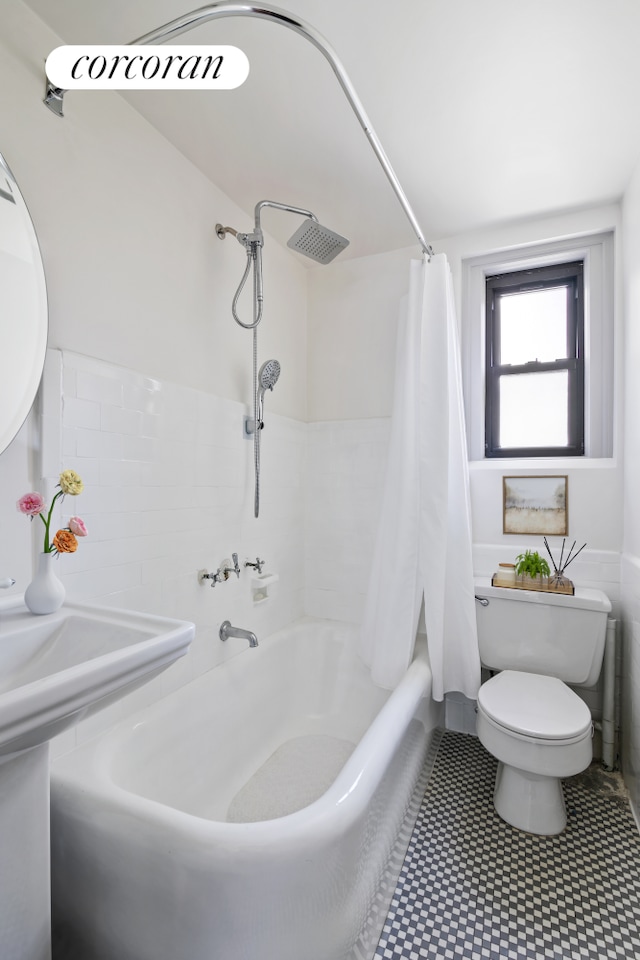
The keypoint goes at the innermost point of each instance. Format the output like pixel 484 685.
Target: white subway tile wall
pixel 168 491
pixel 346 463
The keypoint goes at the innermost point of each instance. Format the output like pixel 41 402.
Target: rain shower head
pixel 268 375
pixel 317 242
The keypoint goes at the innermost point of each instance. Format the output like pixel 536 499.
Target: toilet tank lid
pixel 583 599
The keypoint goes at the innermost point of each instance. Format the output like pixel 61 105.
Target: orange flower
pixel 65 542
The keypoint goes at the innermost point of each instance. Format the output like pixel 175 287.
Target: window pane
pixel 534 410
pixel 533 325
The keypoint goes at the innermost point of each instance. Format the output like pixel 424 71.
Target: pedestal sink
pixel 55 670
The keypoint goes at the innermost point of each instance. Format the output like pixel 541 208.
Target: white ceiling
pixel 489 110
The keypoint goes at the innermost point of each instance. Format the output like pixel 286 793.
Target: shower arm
pixel 280 206
pixel 213 11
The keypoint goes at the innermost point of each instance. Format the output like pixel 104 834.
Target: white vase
pixel 45 593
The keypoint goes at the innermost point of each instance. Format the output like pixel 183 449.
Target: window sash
pixel 565 275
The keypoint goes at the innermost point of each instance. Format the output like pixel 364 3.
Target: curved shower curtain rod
pixel 212 11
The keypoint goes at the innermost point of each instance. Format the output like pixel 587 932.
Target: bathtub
pixel 254 814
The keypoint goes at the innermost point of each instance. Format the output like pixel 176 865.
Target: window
pixel 595 252
pixel 534 404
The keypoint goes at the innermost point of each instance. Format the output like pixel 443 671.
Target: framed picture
pixel 535 505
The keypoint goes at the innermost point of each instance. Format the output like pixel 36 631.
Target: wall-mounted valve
pixel 257 566
pixel 235 568
pixel 222 573
pixel 218 577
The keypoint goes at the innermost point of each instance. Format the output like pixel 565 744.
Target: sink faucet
pixel 6 583
pixel 227 630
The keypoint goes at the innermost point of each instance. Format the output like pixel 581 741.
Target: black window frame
pixel 569 275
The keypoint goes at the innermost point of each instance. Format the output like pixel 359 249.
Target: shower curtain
pixel 423 545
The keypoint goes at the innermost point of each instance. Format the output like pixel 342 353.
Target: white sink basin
pixel 56 669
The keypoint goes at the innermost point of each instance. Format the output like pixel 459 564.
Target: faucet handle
pixel 257 566
pixel 218 577
pixel 235 568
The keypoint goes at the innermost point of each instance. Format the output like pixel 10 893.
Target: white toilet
pixel 528 718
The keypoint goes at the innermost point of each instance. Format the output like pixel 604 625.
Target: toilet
pixel 535 644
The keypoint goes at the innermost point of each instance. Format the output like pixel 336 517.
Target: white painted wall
pixel 135 273
pixel 353 317
pixel 631 225
pixel 356 304
pixel 631 540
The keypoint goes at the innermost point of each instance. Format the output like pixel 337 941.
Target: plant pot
pixel 45 593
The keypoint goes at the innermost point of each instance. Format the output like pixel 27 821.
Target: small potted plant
pixel 530 565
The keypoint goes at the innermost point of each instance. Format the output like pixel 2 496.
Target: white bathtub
pixel 147 866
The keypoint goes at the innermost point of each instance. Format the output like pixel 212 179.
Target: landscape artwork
pixel 535 505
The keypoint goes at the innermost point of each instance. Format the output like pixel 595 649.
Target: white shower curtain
pixel 423 546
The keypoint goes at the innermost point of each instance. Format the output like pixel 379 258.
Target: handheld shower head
pixel 317 242
pixel 268 375
pixel 267 379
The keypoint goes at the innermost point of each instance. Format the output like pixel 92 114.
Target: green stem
pixel 47 522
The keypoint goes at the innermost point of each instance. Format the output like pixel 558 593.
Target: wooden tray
pixel 543 586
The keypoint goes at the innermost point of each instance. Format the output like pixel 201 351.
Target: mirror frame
pixel 13 416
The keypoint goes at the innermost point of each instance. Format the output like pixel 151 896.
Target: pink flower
pixel 31 503
pixel 77 526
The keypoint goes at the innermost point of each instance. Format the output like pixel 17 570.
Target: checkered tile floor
pixel 474 888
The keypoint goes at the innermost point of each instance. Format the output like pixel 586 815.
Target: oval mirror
pixel 23 306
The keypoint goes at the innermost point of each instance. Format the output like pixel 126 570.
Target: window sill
pixel 545 463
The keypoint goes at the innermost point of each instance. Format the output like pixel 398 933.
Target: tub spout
pixel 227 630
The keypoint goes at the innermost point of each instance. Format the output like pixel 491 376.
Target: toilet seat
pixel 530 705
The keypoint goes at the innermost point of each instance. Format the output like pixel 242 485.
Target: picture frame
pixel 535 505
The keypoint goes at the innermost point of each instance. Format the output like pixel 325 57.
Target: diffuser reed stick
pixel 546 543
pixel 571 556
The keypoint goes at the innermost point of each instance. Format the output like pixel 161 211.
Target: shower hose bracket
pixel 249 426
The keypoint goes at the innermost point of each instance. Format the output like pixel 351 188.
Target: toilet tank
pixel 553 634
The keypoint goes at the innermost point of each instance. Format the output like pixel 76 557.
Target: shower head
pixel 267 379
pixel 268 375
pixel 317 242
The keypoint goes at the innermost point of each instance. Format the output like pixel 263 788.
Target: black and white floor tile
pixel 474 888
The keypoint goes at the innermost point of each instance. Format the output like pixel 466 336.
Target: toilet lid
pixel 534 705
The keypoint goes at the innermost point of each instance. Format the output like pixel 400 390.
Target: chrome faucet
pixel 235 568
pixel 227 630
pixel 218 577
pixel 6 583
pixel 258 565
pixel 223 572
